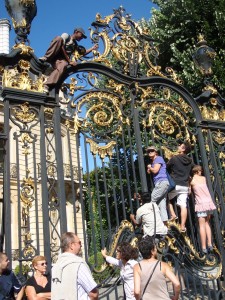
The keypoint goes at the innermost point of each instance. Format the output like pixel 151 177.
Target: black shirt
pixel 38 288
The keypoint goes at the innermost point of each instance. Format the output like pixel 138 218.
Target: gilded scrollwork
pixel 102 151
pixel 103 113
pixel 24 114
pixel 168 120
pixel 26 50
pixel 19 78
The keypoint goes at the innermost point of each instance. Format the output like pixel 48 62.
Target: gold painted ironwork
pixel 124 225
pixel 27 2
pixel 104 112
pixel 102 151
pixel 26 50
pixel 212 113
pixel 24 114
pixel 19 78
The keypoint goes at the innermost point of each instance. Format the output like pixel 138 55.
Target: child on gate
pixel 203 206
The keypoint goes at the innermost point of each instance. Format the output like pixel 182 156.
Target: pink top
pixel 203 199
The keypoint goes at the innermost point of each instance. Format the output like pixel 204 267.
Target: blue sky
pixel 55 17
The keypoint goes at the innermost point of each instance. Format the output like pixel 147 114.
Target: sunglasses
pixel 148 151
pixel 43 264
pixel 78 243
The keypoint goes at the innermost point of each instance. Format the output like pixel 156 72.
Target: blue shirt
pixel 161 175
pixel 9 284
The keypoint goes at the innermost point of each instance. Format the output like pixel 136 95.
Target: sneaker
pixel 210 249
pixel 204 251
pixel 43 59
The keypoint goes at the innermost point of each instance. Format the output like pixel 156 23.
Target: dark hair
pixel 146 245
pixel 145 197
pixel 127 251
pixel 66 239
pixel 187 146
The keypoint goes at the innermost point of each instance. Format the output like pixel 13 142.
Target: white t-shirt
pixel 145 215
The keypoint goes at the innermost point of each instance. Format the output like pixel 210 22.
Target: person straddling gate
pixel 59 54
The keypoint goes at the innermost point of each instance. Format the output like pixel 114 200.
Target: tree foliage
pixel 175 26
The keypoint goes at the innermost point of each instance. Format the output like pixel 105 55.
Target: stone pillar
pixel 4 35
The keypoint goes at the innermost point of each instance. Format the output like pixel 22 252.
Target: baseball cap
pixel 82 31
pixel 152 148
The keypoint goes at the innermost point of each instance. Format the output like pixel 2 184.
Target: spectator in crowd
pixel 204 207
pixel 148 215
pixel 150 274
pixel 39 285
pixel 71 276
pixel 157 169
pixel 9 283
pixel 179 167
pixel 59 54
pixel 125 260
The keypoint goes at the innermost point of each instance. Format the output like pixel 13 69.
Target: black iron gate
pixel 74 159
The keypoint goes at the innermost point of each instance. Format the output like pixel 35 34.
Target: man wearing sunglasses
pixel 157 169
pixel 71 276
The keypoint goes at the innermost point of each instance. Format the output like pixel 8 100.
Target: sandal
pixel 183 230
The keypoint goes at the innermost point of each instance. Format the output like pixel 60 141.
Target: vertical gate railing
pixel 102 125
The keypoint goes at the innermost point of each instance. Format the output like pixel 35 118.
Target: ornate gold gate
pixel 79 154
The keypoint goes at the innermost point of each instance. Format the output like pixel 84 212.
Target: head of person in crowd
pixel 70 243
pixel 197 170
pixel 152 152
pixel 137 197
pixel 184 148
pixel 4 262
pixel 145 197
pixel 39 264
pixel 147 247
pixel 125 251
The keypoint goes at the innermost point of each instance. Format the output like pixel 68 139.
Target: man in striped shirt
pixel 71 276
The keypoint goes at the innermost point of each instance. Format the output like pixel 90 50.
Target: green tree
pixel 175 26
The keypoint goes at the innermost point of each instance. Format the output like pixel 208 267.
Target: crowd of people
pixel 71 277
pixel 143 278
pixel 154 213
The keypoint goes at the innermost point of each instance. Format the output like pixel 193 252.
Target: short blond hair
pixel 37 258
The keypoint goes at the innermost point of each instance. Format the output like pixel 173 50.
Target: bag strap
pixel 154 220
pixel 150 277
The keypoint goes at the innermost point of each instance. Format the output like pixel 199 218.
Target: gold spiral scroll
pixel 103 113
pixel 166 120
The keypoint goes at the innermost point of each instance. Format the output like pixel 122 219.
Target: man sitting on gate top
pixel 59 54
